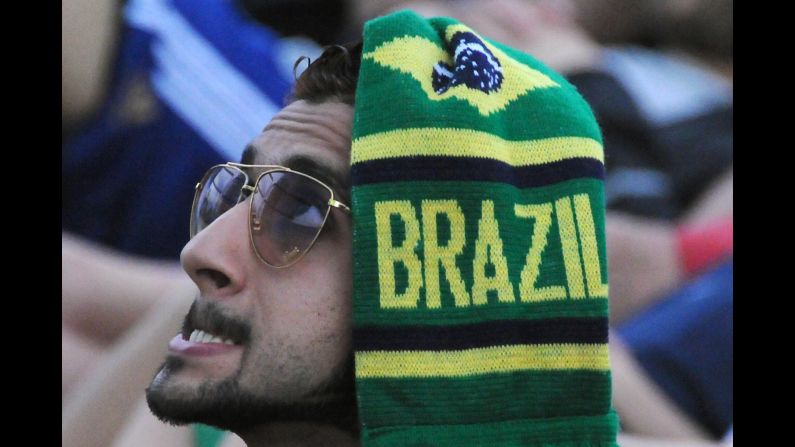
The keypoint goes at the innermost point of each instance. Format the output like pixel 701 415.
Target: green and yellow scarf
pixel 480 275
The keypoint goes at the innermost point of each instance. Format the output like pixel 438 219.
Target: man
pixel 465 269
pixel 291 359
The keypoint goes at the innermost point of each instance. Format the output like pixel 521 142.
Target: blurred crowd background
pixel 157 91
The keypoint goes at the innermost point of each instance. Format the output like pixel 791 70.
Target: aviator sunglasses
pixel 287 210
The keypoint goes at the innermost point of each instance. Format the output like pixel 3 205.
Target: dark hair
pixel 332 76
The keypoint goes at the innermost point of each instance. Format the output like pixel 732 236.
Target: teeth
pixel 199 336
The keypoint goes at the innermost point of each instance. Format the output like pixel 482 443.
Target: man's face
pixel 292 358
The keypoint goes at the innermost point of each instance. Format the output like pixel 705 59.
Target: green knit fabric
pixel 480 269
pixel 207 436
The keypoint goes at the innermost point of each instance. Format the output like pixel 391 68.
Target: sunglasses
pixel 287 210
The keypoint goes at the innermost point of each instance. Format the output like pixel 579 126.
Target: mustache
pixel 209 316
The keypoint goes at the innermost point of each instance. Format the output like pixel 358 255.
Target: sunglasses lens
pixel 287 213
pixel 220 190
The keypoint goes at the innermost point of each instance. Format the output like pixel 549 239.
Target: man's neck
pixel 297 434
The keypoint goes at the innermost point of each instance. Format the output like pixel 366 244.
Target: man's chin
pixel 225 405
pixel 177 400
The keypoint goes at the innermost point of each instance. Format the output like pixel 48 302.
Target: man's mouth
pixel 208 330
pixel 200 336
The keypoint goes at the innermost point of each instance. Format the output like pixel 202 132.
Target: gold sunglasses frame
pixel 332 202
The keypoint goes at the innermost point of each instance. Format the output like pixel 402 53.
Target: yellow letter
pixel 388 254
pixel 436 254
pixel 542 214
pixel 590 250
pixel 571 249
pixel 488 246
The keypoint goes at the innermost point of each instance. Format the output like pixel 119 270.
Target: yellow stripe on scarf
pixel 449 142
pixel 470 362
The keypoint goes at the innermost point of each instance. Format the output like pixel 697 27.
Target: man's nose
pixel 217 257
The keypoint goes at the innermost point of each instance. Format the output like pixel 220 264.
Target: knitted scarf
pixel 480 275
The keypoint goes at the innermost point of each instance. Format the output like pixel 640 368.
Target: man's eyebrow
pixel 336 180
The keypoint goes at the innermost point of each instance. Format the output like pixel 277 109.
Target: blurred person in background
pixel 702 29
pixel 158 90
